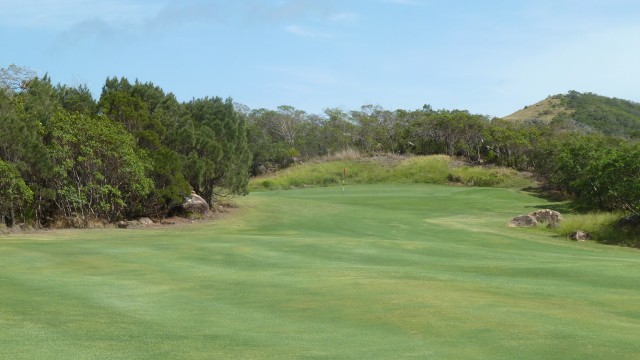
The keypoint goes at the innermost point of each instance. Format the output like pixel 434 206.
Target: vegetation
pixel 608 115
pixel 582 164
pixel 136 151
pixel 585 112
pixel 383 271
pixel 358 169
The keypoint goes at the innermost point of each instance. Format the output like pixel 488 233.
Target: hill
pixel 545 110
pixel 589 111
pixel 354 168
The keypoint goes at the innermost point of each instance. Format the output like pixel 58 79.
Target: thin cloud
pixel 288 10
pixel 59 15
pixel 403 2
pixel 343 17
pixel 300 31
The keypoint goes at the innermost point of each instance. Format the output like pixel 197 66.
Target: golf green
pixel 372 272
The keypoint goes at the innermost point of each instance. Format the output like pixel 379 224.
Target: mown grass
pixel 374 272
pixel 437 169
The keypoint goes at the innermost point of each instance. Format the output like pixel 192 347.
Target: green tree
pixel 98 171
pixel 76 99
pixel 15 195
pixel 219 160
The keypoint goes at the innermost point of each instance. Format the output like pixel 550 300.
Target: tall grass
pixel 602 226
pixel 489 177
pixel 436 169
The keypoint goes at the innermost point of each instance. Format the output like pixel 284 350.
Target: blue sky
pixel 488 57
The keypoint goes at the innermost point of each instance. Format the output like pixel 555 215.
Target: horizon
pixel 491 59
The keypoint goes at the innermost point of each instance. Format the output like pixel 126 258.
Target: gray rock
pixel 547 216
pixel 145 221
pixel 523 221
pixel 630 222
pixel 580 235
pixel 196 205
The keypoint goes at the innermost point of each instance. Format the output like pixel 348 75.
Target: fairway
pixel 374 272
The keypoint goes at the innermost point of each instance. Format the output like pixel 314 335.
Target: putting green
pixel 375 272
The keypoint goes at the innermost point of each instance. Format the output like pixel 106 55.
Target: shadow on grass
pixel 613 234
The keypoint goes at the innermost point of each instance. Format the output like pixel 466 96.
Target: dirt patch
pixel 221 212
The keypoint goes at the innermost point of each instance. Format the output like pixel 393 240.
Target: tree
pixel 15 195
pixel 14 78
pixel 219 160
pixel 98 171
pixel 76 99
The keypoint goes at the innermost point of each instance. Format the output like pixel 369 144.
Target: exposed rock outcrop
pixel 137 223
pixel 523 221
pixel 544 216
pixel 547 216
pixel 195 204
pixel 630 222
pixel 580 235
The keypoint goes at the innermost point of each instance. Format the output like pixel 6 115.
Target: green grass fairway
pixel 376 272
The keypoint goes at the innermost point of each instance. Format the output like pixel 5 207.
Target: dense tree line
pixel 135 151
pixel 138 151
pixel 598 170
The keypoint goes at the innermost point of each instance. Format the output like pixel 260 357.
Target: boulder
pixel 547 216
pixel 523 221
pixel 126 224
pixel 145 221
pixel 630 222
pixel 195 204
pixel 580 235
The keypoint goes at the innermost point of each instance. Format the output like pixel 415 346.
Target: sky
pixel 489 57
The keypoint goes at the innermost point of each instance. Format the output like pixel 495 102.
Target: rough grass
pixel 437 169
pixel 374 272
pixel 544 110
pixel 602 226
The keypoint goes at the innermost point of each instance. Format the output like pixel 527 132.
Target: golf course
pixel 405 271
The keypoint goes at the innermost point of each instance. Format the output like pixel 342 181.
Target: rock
pixel 196 205
pixel 630 222
pixel 547 216
pixel 523 221
pixel 145 221
pixel 126 224
pixel 580 235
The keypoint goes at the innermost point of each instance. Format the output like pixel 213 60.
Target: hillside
pixel 390 169
pixel 545 110
pixel 611 116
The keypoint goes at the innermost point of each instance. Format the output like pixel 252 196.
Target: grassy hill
pixel 599 113
pixel 353 168
pixel 545 110
pixel 389 271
